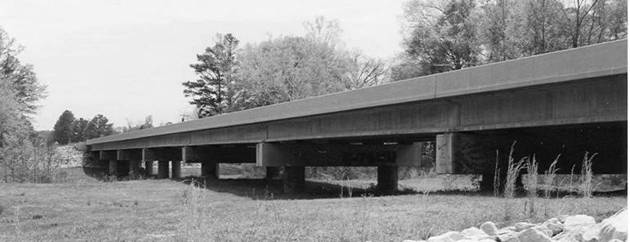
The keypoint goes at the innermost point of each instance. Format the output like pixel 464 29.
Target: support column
pixel 271 173
pixel 176 169
pixel 444 153
pixel 162 169
pixel 209 169
pixel 123 168
pixel 467 153
pixel 293 179
pixel 148 168
pixel 387 179
pixel 134 168
pixel 113 168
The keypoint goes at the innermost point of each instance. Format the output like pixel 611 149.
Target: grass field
pixel 245 210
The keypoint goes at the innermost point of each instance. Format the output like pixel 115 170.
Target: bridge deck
pixel 557 68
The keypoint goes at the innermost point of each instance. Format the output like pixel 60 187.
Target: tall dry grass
pixel 549 177
pixel 532 185
pixel 496 182
pixel 509 187
pixel 512 173
pixel 586 176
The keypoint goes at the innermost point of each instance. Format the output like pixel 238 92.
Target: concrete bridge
pixel 565 102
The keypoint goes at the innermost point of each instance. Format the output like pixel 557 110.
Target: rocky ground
pixel 576 228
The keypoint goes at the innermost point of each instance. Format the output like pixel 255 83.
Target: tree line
pixel 448 35
pixel 67 129
pixel 232 78
pixel 25 155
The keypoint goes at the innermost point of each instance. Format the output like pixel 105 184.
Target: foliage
pixel 79 127
pixel 63 130
pixel 99 126
pixel 23 154
pixel 70 130
pixel 448 35
pixel 148 123
pixel 212 92
pixel 279 70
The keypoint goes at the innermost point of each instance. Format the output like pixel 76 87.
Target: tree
pixel 148 123
pixel 79 127
pixel 212 92
pixel 364 72
pixel 63 130
pixel 27 91
pixel 448 42
pixel 446 35
pixel 23 154
pixel 288 68
pixel 98 127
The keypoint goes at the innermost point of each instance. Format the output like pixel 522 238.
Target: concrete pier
pixel 162 169
pixel 176 169
pixel 271 173
pixel 209 169
pixel 134 168
pixel 293 179
pixel 148 168
pixel 113 168
pixel 387 179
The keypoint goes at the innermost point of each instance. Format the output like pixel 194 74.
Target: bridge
pixel 565 102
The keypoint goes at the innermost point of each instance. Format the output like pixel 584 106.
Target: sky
pixel 127 59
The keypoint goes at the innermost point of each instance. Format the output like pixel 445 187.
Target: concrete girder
pixel 220 154
pixel 308 154
pixel 130 154
pixel 107 155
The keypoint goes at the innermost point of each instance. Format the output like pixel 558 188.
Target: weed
pixel 513 171
pixel 532 184
pixel 586 176
pixel 548 183
pixel 550 176
pixel 496 182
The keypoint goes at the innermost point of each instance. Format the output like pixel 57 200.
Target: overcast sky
pixel 127 59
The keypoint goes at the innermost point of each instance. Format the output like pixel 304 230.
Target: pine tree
pixel 63 130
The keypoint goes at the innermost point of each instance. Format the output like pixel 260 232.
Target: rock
pixel 523 226
pixel 577 221
pixel 544 229
pixel 555 225
pixel 489 228
pixel 533 235
pixel 474 233
pixel 450 236
pixel 507 229
pixel 508 237
pixel 615 227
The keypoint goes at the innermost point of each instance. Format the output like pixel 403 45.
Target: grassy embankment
pixel 148 210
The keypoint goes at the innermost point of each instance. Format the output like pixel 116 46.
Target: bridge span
pixel 566 102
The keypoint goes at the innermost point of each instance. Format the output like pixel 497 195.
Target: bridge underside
pixel 567 118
